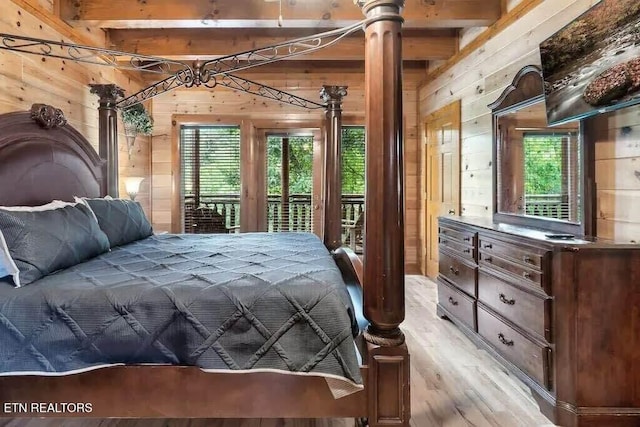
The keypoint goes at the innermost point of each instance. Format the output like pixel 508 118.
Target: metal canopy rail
pixel 89 54
pixel 248 86
pixel 227 80
pixel 208 73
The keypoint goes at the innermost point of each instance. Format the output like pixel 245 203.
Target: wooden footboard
pixel 188 392
pixel 176 392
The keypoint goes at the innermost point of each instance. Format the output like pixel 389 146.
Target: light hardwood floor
pixel 453 383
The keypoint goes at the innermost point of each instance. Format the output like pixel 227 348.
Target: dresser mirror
pixel 539 173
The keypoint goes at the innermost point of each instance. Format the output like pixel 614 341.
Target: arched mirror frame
pixel 526 90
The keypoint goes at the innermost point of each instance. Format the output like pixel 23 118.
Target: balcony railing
pixel 548 206
pixel 226 208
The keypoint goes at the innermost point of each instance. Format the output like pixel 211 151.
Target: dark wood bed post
pixel 108 131
pixel 332 215
pixel 384 223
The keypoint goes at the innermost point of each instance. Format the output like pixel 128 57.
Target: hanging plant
pixel 137 120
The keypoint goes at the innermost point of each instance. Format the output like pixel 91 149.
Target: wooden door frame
pixel 436 115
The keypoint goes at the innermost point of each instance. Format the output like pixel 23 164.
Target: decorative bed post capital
pixel 369 5
pixel 332 95
pixel 332 217
pixel 108 131
pixel 108 93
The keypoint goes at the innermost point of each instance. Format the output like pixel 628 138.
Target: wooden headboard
pixel 42 158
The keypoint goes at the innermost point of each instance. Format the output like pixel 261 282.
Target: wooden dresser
pixel 562 315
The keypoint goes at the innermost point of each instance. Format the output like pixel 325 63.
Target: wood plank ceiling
pixel 203 29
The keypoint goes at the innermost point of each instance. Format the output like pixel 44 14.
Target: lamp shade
pixel 132 185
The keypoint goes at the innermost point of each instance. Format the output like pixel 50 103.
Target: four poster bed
pixel 47 159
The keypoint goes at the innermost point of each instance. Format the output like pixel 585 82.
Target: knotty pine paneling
pixel 617 154
pixel 28 79
pixel 223 101
pixel 480 78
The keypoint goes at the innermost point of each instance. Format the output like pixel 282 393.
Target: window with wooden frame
pixel 210 167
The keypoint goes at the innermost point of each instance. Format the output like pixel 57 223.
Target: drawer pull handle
pixel 527 259
pixel 443 241
pixel 488 246
pixel 504 299
pixel 466 251
pixel 489 259
pixel 452 301
pixel 504 341
pixel 467 239
pixel 526 275
pixel 454 270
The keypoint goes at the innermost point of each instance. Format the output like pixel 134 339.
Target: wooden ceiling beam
pixel 189 44
pixel 261 14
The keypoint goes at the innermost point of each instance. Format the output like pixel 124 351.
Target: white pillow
pixel 56 204
pixel 7 264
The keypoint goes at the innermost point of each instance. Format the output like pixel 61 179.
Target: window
pixel 210 157
pixel 353 177
pixel 353 171
pixel 551 171
pixel 289 183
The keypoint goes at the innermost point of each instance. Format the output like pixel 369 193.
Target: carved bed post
pixel 108 131
pixel 332 217
pixel 384 222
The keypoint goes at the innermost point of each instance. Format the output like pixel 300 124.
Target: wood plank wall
pixel 306 84
pixel 618 175
pixel 28 79
pixel 467 35
pixel 479 79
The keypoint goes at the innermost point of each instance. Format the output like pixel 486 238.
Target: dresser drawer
pixel 464 236
pixel 458 272
pixel 458 304
pixel 525 255
pixel 462 249
pixel 526 310
pixel 524 274
pixel 529 356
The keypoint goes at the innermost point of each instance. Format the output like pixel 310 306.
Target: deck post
pixel 332 96
pixel 384 307
pixel 108 131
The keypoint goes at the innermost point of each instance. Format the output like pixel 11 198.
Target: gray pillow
pixel 41 242
pixel 123 221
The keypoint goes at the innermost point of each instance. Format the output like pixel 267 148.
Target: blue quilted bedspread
pixel 238 301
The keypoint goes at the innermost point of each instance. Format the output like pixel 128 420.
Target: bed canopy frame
pixel 152 391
